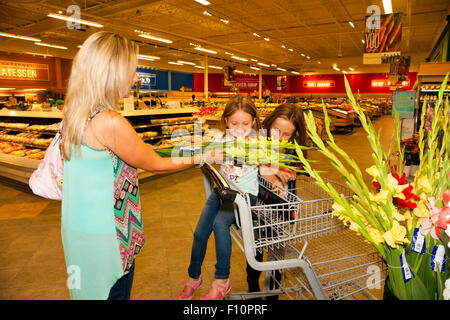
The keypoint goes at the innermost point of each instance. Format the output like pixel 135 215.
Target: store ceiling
pixel 317 29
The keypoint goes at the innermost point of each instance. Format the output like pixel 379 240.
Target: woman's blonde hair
pixel 102 72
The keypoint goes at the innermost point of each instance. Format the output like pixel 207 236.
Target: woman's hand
pixel 286 175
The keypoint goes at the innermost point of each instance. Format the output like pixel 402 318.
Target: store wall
pixel 181 79
pixel 362 82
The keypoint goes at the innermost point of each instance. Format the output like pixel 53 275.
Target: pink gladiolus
pixel 426 226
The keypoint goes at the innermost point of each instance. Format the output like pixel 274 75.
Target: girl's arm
pixel 113 131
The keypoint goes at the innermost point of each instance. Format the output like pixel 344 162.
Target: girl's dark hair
pixel 292 113
pixel 244 103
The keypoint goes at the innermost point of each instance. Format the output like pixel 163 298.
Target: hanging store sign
pixel 14 70
pixel 319 84
pixel 382 37
pixel 404 102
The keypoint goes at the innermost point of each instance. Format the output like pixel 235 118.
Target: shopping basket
pixel 318 257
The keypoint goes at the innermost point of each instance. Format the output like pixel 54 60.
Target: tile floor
pixel 31 257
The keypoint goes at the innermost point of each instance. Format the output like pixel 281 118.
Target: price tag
pixel 418 242
pixel 438 258
pixel 406 270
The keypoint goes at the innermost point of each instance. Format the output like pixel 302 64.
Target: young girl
pixel 286 122
pixel 239 118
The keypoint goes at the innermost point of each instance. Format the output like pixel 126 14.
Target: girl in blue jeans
pixel 239 118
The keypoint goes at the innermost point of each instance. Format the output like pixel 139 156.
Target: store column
pixel 206 78
pixel 260 84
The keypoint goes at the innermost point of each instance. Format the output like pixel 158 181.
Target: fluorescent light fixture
pixel 295 72
pixel 80 21
pixel 336 68
pixel 194 44
pixel 343 71
pixel 308 57
pixel 283 46
pixel 256 60
pixel 177 63
pixel 291 49
pixel 203 2
pixel 302 55
pixel 267 39
pixel 40 54
pixel 263 64
pixel 351 69
pixel 281 69
pixel 186 62
pixel 155 38
pixel 50 45
pixel 215 67
pixel 146 57
pixel 274 65
pixel 229 53
pixel 256 35
pixel 254 68
pixel 200 67
pixel 35 89
pixel 238 71
pixel 351 24
pixel 318 62
pixel 239 58
pixel 3 89
pixel 205 50
pixel 224 21
pixel 387 6
pixel 16 36
pixel 207 13
pixel 363 41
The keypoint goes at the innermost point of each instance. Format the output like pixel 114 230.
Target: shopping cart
pixel 317 256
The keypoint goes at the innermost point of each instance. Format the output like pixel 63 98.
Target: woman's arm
pixel 114 132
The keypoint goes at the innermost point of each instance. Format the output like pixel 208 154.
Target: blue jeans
pixel 219 219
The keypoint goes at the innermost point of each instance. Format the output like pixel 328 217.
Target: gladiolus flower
pixel 395 236
pixel 421 211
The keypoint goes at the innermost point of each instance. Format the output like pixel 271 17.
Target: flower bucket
pixel 413 170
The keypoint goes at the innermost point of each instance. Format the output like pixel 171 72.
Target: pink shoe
pixel 192 285
pixel 222 290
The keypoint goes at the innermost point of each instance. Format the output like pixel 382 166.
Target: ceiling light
pixel 80 21
pixel 10 35
pixel 1 89
pixel 318 62
pixel 207 13
pixel 256 35
pixel 274 65
pixel 302 55
pixel 283 46
pixel 291 49
pixel 267 39
pixel 178 64
pixel 229 53
pixel 351 69
pixel 203 2
pixel 40 54
pixel 155 38
pixel 215 67
pixel 387 6
pixel 200 67
pixel 295 72
pixel 281 69
pixel 363 41
pixel 308 57
pixel 256 60
pixel 263 64
pixel 336 68
pixel 239 58
pixel 186 62
pixel 79 46
pixel 50 45
pixel 146 57
pixel 224 21
pixel 343 71
pixel 238 71
pixel 194 44
pixel 351 24
pixel 254 68
pixel 205 50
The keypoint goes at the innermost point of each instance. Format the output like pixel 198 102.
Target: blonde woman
pixel 101 223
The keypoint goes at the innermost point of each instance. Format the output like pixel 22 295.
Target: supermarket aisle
pixel 31 257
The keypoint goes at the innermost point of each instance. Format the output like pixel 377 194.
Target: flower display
pixel 406 221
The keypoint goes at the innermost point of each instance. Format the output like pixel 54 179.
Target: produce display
pixel 173 120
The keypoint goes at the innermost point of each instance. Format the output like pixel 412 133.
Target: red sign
pixel 13 70
pixel 318 84
pixel 381 83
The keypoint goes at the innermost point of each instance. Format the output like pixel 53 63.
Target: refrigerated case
pixel 30 132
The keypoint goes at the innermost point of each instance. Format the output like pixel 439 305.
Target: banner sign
pixel 229 76
pixel 382 35
pixel 13 70
pixel 319 84
pixel 281 83
pixel 147 79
